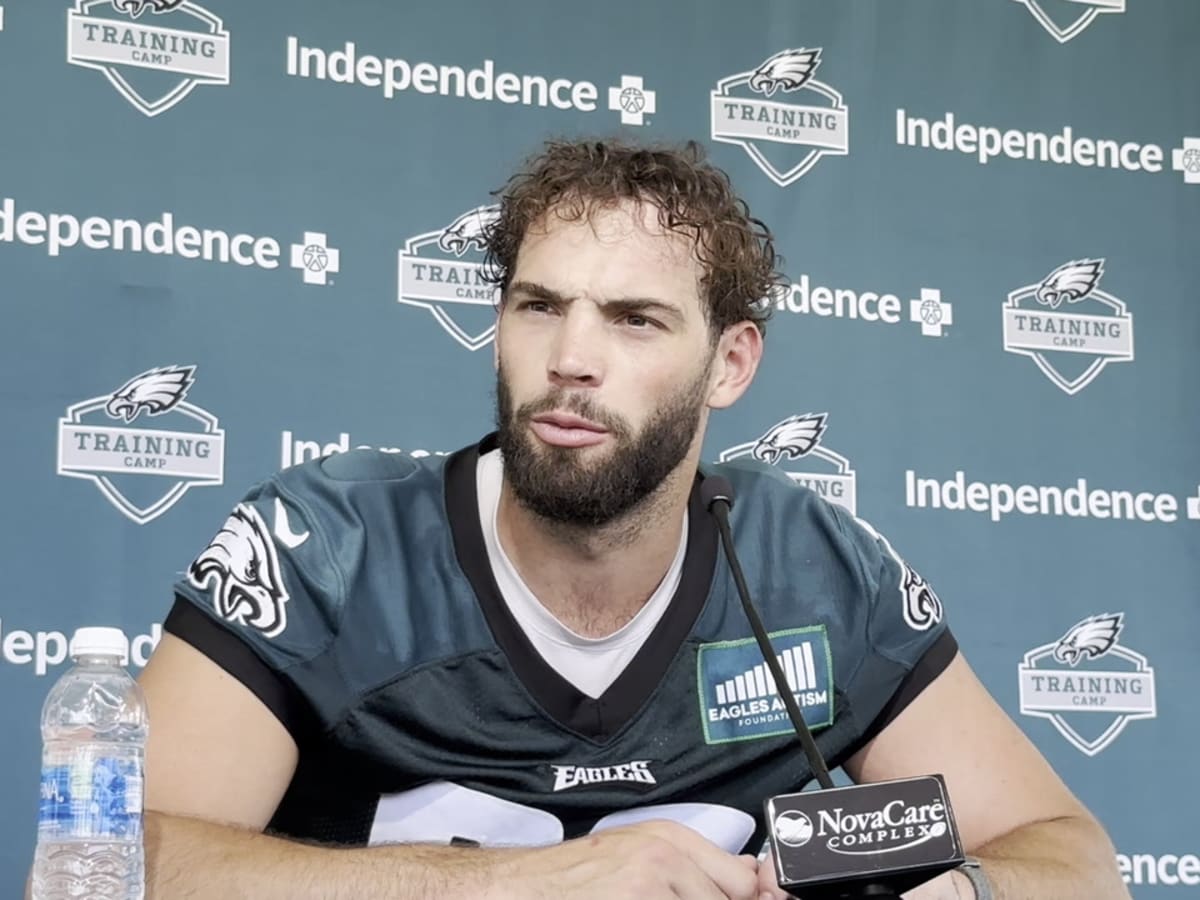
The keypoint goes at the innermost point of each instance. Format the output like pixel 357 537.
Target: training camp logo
pixel 178 444
pixel 1075 15
pixel 442 271
pixel 242 567
pixel 738 697
pixel 785 139
pixel 154 62
pixel 799 438
pixel 1068 326
pixel 1087 684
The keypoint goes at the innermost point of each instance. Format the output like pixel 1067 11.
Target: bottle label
pixel 94 797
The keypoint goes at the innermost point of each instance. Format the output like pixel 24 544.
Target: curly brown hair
pixel 693 197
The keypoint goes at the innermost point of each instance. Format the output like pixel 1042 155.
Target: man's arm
pixel 1034 839
pixel 218 762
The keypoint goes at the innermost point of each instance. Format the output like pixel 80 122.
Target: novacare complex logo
pixel 785 135
pixel 1068 326
pixel 896 826
pixel 738 697
pixel 442 271
pixel 154 63
pixel 1079 15
pixel 143 471
pixel 797 438
pixel 1087 684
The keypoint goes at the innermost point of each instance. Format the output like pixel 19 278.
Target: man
pixel 498 668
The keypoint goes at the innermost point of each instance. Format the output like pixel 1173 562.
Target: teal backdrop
pixel 237 235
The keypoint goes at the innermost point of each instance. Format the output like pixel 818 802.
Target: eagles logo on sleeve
pixel 468 230
pixel 242 569
pixel 153 392
pixel 1071 282
pixel 787 70
pixel 922 608
pixel 1089 639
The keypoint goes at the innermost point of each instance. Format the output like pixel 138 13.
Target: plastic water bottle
pixel 94 738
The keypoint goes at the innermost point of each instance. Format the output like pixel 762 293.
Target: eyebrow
pixel 535 291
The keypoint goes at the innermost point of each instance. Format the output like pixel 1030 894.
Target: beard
pixel 556 484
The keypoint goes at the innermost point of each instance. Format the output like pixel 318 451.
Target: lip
pixel 565 430
pixel 570 422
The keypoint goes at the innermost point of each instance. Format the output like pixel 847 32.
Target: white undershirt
pixel 591 664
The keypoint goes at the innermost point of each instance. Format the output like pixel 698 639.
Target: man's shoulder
pixel 762 490
pixel 783 523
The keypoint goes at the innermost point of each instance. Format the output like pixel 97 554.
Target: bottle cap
pixel 100 642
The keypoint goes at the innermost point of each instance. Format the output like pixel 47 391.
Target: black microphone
pixel 863 841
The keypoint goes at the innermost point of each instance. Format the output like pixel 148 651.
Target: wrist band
pixel 978 878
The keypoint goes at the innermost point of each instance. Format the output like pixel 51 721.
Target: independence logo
pixel 1087 684
pixel 153 62
pixel 784 137
pixel 442 271
pixel 143 471
pixel 630 98
pixel 823 471
pixel 738 696
pixel 1068 326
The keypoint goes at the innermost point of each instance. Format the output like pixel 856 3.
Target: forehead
pixel 611 251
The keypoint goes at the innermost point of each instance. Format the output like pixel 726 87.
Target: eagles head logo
pixel 468 230
pixel 154 392
pixel 1071 282
pixel 242 569
pixel 1090 639
pixel 134 8
pixel 793 437
pixel 922 607
pixel 787 70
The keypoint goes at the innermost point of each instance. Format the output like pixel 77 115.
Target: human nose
pixel 576 357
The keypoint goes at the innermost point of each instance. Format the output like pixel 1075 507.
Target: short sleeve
pixel 264 598
pixel 907 641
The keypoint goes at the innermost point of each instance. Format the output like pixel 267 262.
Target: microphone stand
pixel 719 507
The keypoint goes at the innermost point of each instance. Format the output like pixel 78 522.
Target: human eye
pixel 535 306
pixel 639 321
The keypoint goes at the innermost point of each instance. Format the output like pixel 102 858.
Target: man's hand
pixel 944 887
pixel 656 860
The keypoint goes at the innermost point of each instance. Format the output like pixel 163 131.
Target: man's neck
pixel 594 580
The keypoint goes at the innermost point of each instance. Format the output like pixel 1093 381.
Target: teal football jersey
pixel 354 596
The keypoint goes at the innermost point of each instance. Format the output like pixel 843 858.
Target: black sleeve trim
pixel 278 694
pixel 928 667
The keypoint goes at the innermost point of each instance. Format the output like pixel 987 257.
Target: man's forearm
pixel 190 859
pixel 1062 859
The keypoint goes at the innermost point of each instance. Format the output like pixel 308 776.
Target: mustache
pixel 578 404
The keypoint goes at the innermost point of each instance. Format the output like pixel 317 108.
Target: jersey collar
pixel 601 717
